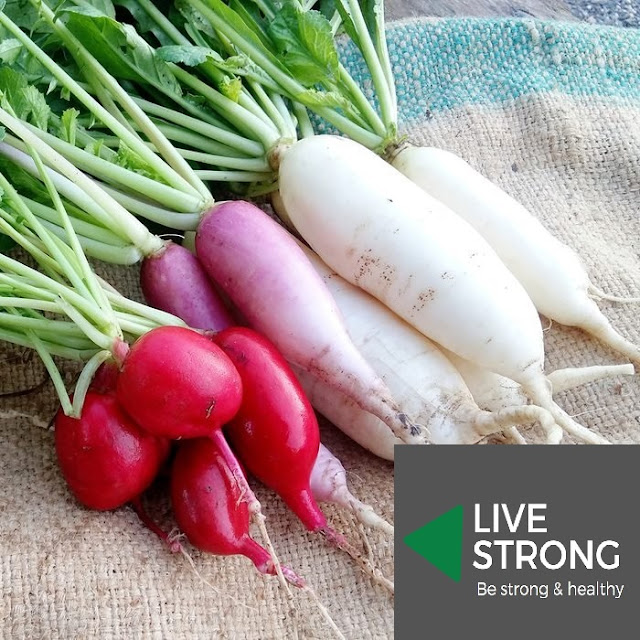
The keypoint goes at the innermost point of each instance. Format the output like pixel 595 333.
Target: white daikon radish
pixel 381 232
pixel 550 271
pixel 420 377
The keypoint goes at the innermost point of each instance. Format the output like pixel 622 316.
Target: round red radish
pixel 105 458
pixel 275 432
pixel 176 383
pixel 208 503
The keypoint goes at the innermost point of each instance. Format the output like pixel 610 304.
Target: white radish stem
pixel 565 379
pixel 329 484
pixel 551 272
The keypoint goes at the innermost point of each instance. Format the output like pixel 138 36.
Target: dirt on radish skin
pixel 354 210
pixel 105 458
pixel 550 271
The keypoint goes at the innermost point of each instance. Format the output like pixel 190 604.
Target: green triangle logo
pixel 440 542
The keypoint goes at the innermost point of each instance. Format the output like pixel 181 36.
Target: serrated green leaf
pixel 12 86
pixel 39 110
pixel 305 42
pixel 22 12
pixel 10 49
pixel 189 55
pixel 94 147
pixel 120 49
pixel 69 125
pixel 315 32
pixel 313 98
pixel 129 159
pixel 235 23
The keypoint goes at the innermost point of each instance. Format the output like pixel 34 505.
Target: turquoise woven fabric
pixel 442 64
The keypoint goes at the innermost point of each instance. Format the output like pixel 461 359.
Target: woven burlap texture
pixel 67 572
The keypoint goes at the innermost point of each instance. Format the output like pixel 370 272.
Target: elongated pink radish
pixel 275 432
pixel 210 508
pixel 173 280
pixel 549 270
pixel 329 484
pixel 381 232
pixel 425 382
pixel 269 279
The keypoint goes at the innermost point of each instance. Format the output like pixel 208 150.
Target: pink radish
pixel 275 432
pixel 269 279
pixel 177 383
pixel 211 509
pixel 173 280
pixel 105 458
pixel 329 484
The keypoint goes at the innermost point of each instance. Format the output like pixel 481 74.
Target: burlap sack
pixel 548 111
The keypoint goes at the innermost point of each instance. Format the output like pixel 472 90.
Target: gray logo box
pixel 590 493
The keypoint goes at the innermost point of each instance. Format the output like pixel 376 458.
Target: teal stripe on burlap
pixel 443 64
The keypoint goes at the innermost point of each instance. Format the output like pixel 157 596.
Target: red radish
pixel 105 458
pixel 210 508
pixel 173 280
pixel 270 280
pixel 275 432
pixel 176 383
